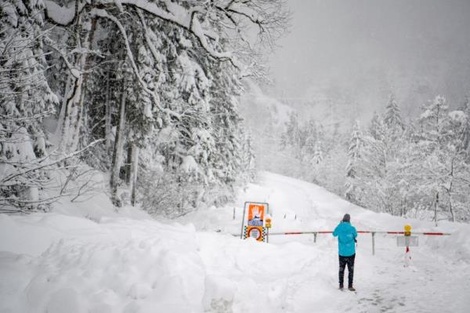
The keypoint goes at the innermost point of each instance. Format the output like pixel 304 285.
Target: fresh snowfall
pixel 90 258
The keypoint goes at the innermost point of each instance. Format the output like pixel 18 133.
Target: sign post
pixel 256 221
pixel 407 241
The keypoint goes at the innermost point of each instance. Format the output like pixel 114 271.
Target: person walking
pixel 347 235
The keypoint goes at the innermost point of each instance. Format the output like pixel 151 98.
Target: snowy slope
pixel 127 262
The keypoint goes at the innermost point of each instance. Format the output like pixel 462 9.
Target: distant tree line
pixel 418 168
pixel 144 91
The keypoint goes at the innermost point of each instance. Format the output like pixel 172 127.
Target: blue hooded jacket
pixel 346 234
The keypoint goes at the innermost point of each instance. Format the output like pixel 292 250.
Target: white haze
pixel 355 53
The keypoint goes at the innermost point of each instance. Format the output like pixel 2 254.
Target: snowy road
pixel 436 281
pixel 100 261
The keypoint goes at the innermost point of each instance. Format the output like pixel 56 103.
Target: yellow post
pixel 407 230
pixel 407 249
pixel 268 222
pixel 268 226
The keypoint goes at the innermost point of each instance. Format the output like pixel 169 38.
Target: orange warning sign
pixel 256 232
pixel 255 220
pixel 256 214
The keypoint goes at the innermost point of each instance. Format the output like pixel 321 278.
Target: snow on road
pixel 437 280
pixel 110 262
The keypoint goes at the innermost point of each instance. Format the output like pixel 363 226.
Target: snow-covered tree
pixel 465 130
pixel 438 150
pixel 392 117
pixel 25 100
pixel 383 150
pixel 317 154
pixel 130 72
pixel 353 184
pixel 377 127
pixel 292 137
pixel 434 122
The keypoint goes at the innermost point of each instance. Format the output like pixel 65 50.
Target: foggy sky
pixel 361 50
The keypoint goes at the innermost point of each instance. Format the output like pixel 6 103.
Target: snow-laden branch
pixel 23 202
pixel 156 100
pixel 62 15
pixel 175 14
pixel 41 166
pixel 74 71
pixel 187 19
pixel 151 46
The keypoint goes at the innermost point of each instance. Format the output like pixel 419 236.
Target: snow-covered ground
pixel 99 261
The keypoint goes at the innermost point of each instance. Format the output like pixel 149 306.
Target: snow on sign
pixel 256 221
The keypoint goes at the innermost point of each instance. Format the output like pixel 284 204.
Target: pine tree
pixel 438 155
pixel 354 166
pixel 434 121
pixel 377 127
pixel 25 100
pixel 292 138
pixel 465 134
pixel 317 154
pixel 385 155
pixel 392 118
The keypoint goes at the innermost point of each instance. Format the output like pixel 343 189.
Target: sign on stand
pixel 407 241
pixel 256 221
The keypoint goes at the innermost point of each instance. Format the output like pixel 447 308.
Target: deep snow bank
pixel 116 265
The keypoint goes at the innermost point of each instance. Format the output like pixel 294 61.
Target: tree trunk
pixel 134 166
pixel 71 116
pixel 118 149
pixel 451 209
pixel 108 116
pixel 127 167
pixel 449 191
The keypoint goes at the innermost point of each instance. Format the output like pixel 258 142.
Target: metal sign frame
pixel 254 221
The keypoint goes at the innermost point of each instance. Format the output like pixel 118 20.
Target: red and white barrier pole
pixel 406 232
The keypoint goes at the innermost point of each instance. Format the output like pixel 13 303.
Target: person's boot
pixel 351 288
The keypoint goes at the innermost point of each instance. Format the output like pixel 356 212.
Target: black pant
pixel 349 261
